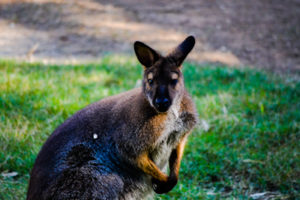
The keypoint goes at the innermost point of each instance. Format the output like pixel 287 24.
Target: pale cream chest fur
pixel 173 130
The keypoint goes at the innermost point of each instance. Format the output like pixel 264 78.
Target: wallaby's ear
pixel 145 54
pixel 182 50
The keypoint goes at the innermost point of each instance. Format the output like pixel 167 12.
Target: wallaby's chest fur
pixel 173 129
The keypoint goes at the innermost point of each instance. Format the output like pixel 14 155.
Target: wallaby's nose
pixel 162 104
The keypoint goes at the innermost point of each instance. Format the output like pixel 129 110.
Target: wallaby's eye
pixel 174 81
pixel 150 81
pixel 174 78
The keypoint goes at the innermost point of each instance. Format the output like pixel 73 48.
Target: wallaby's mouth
pixel 162 104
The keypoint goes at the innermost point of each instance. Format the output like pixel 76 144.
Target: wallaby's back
pixel 86 139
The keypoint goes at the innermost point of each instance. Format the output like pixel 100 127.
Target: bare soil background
pixel 258 33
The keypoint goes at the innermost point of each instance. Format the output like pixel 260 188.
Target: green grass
pixel 251 145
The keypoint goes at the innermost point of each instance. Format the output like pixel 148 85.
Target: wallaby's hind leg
pixel 85 183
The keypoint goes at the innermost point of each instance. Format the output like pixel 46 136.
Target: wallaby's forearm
pixel 150 168
pixel 175 158
pixel 161 187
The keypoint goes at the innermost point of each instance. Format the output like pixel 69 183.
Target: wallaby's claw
pixel 164 187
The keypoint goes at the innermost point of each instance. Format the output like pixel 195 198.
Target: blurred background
pixel 58 56
pixel 258 33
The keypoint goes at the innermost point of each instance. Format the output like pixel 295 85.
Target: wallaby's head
pixel 163 81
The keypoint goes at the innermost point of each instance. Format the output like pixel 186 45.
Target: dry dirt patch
pixel 257 33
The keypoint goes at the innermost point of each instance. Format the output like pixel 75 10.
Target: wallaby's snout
pixel 162 101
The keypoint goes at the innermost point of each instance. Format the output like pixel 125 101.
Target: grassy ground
pixel 247 140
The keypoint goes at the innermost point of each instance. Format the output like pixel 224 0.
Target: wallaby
pixel 121 146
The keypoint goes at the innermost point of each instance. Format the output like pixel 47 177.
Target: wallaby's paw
pixel 189 120
pixel 164 187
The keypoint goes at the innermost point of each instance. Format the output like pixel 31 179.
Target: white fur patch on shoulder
pixel 175 111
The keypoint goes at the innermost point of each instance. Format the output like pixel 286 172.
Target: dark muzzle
pixel 162 102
